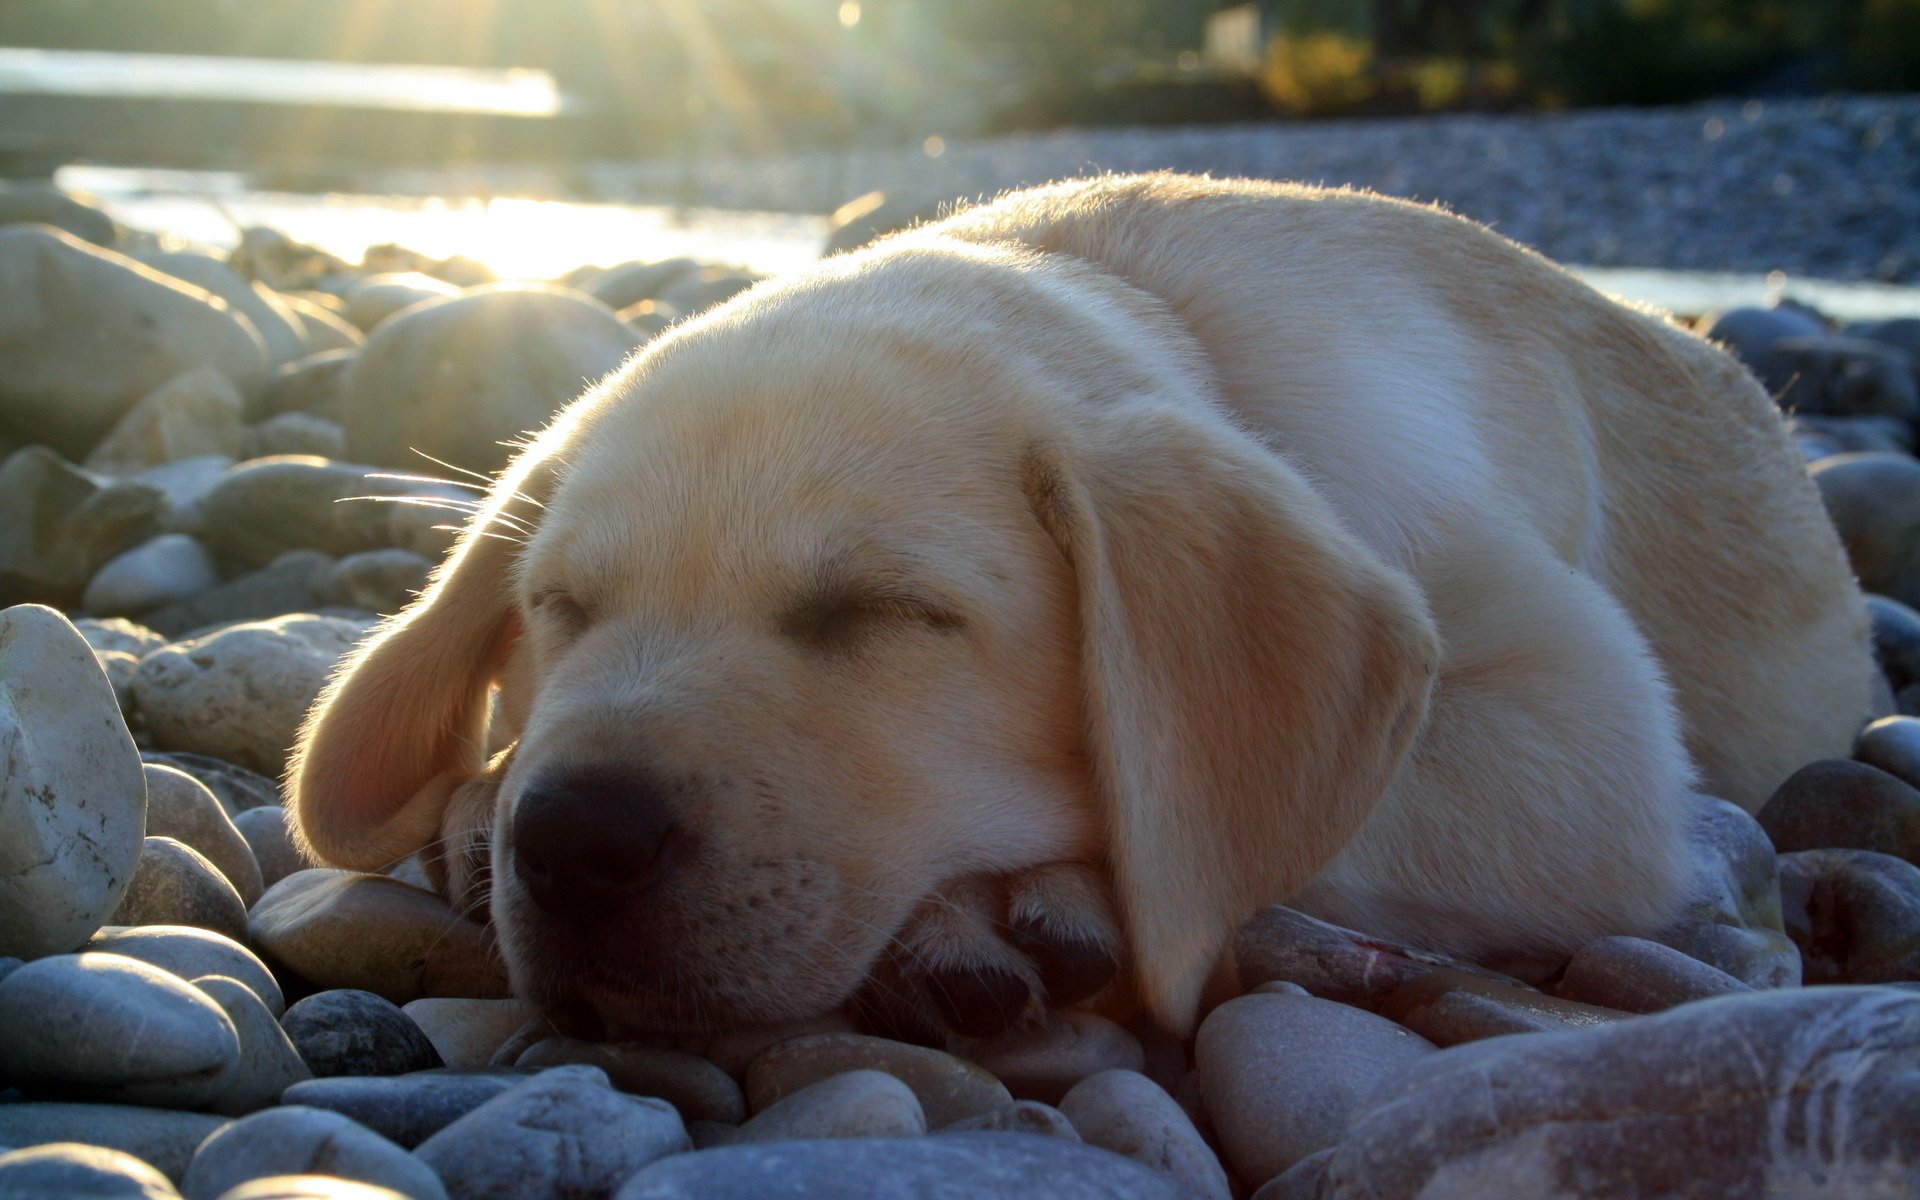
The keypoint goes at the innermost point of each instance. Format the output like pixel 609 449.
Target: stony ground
pixel 187 1008
pixel 1821 188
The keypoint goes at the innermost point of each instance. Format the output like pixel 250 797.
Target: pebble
pixel 1280 943
pixel 296 433
pixel 1893 745
pixel 949 1089
pixel 382 581
pixel 405 1109
pixel 349 1032
pixel 310 1187
pixel 190 953
pixel 241 693
pixel 1854 914
pixel 181 807
pixel 1841 377
pixel 92 331
pixel 237 788
pixel 278 327
pixel 849 1105
pixel 64 524
pixel 458 378
pixel 194 414
pixel 1282 1075
pixel 42 203
pixel 261 510
pixel 375 298
pixel 76 1171
pixel 1127 1113
pixel 72 799
pixel 174 884
pixel 311 385
pixel 163 570
pixel 732 1050
pixel 274 853
pixel 118 633
pixel 468 1032
pixel 269 1063
pixel 562 1133
pixel 1638 976
pixel 321 329
pixel 162 1137
pixel 182 485
pixel 700 1090
pixel 1021 1116
pixel 1789 1092
pixel 1874 501
pixel 1836 803
pixel 959 1166
pixel 102 1027
pixel 289 585
pixel 345 929
pixel 1043 1062
pixel 1448 1009
pixel 630 283
pixel 1731 919
pixel 291 1140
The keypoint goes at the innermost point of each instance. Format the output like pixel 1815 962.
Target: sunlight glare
pixel 849 13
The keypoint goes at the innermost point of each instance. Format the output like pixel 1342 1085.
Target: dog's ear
pixel 404 720
pixel 1252 674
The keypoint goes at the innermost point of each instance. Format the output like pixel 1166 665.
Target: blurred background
pixel 1733 137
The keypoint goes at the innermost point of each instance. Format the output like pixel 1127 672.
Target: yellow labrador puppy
pixel 1064 581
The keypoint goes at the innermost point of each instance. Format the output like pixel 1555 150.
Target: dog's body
pixel 1223 543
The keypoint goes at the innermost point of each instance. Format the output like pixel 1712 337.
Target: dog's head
pixel 940 562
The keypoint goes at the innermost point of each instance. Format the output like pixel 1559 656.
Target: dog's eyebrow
pixel 867 574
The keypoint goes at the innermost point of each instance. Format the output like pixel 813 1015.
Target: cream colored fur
pixel 1253 542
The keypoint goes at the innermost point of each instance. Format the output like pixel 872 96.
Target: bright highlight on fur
pixel 1099 565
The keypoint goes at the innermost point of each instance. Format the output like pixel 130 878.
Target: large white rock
pixel 239 694
pixel 194 414
pixel 72 797
pixel 161 571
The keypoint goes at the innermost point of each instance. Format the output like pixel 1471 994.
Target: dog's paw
pixel 987 953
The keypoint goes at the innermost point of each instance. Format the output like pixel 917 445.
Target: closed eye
pixel 842 620
pixel 560 606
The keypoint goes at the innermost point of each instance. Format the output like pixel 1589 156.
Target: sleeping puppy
pixel 1053 586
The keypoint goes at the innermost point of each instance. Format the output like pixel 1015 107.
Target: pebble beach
pixel 192 440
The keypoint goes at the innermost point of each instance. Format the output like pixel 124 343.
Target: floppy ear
pixel 404 720
pixel 1252 673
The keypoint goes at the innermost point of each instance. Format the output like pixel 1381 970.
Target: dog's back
pixel 1496 386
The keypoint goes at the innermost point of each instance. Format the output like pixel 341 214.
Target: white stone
pixel 168 568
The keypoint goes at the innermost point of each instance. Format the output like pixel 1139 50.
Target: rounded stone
pixel 279 328
pixel 237 788
pixel 72 799
pixel 949 1088
pixel 34 202
pixel 1731 916
pixel 958 1166
pixel 168 568
pixel 1448 1008
pixel 458 378
pixel 191 953
pixel 1893 745
pixel 163 1137
pixel 181 807
pixel 1282 1075
pixel 269 1063
pixel 1854 914
pixel 296 433
pixel 274 852
pixel 850 1105
pixel 381 581
pixel 405 1109
pixel 350 1032
pixel 102 1027
pixel 310 1187
pixel 304 1141
pixel 1874 501
pixel 700 1090
pixel 193 415
pixel 1127 1113
pixel 241 693
pixel 1638 976
pixel 1022 1116
pixel 263 509
pixel 345 929
pixel 1330 961
pixel 562 1133
pixel 468 1033
pixel 1837 803
pixel 63 524
pixel 311 385
pixel 92 331
pixel 76 1171
pixel 1043 1062
pixel 377 297
pixel 174 884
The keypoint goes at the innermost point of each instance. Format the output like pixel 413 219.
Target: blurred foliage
pixel 1334 56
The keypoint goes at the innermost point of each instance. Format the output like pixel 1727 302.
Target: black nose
pixel 586 844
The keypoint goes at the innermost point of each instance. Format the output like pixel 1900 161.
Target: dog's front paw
pixel 987 953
